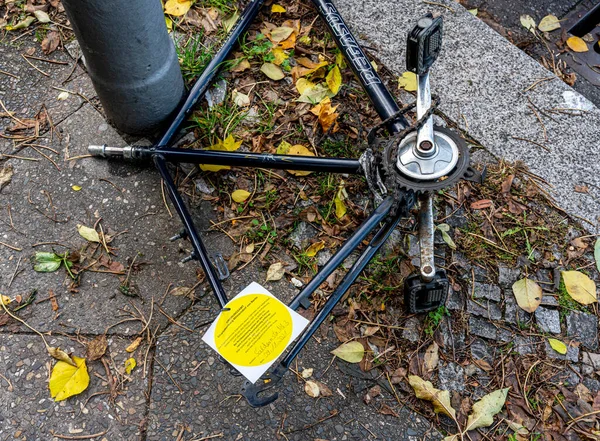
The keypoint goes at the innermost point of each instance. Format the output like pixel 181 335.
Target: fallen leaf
pixel 240 196
pixel 352 352
pixel 486 408
pixel 299 150
pixel 67 380
pixel 283 148
pixel 312 389
pixel 240 99
pixel 580 287
pixel 324 390
pixel 281 33
pixel 5 300
pixel 280 56
pixel 59 354
pixel 50 42
pixel 63 96
pixel 6 174
pixel 230 22
pixel 528 22
pixel 473 11
pixel 519 429
pixel 558 346
pixel 134 345
pixel 340 205
pixel 408 82
pixel 432 357
pixel 440 398
pixel 46 262
pixel 21 25
pixel 241 65
pixel 315 94
pixel 481 204
pixel 75 188
pixel 169 24
pixel 88 233
pixel 577 44
pixel 42 16
pixel 443 229
pixel 272 71
pixel 275 272
pixel 277 8
pixel 312 250
pixel 597 253
pixel 130 365
pixel 334 80
pixel 180 291
pixel 97 348
pixel 307 373
pixel 528 294
pixel 229 144
pixel 177 8
pixel 327 115
pixel 549 23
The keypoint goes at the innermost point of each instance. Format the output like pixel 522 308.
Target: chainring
pixel 395 180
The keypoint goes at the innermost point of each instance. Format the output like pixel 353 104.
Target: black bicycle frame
pixel 161 154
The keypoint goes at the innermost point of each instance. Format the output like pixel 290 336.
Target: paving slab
pixel 209 402
pixel 482 81
pixel 29 413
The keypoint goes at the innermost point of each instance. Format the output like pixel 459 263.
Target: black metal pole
pixel 380 96
pixel 247 159
pixel 346 249
pixel 200 252
pixel 203 83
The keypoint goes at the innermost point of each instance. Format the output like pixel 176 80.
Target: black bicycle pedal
pixel 422 296
pixel 424 44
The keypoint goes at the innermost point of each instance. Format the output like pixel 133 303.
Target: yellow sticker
pixel 254 330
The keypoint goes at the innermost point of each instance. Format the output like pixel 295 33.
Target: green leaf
pixel 46 262
pixel 485 409
pixel 88 233
pixel 21 25
pixel 444 228
pixel 352 352
pixel 558 346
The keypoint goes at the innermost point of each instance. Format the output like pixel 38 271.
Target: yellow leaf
pixel 272 71
pixel 66 380
pixel 177 7
pixel 284 148
pixel 277 8
pixel 473 11
pixel 280 56
pixel 340 60
pixel 486 408
pixel 527 22
pixel 75 187
pixel 549 23
pixel 303 85
pixel 281 33
pixel 169 24
pixel 130 364
pixel 5 299
pixel 327 115
pixel 408 82
pixel 88 233
pixel 299 150
pixel 240 196
pixel 577 44
pixel 228 145
pixel 439 398
pixel 134 345
pixel 334 80
pixel 558 346
pixel 340 206
pixel 528 294
pixel 352 352
pixel 580 287
pixel 230 22
pixel 312 250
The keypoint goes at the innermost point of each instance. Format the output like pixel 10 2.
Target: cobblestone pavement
pixel 180 390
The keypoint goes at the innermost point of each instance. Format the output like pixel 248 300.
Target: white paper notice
pixel 253 330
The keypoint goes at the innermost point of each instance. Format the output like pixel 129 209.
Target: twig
pixel 9 74
pixel 334 414
pixel 35 67
pixel 23 322
pixel 95 435
pixel 10 115
pixel 537 82
pixel 11 247
pixel 167 372
pixel 46 60
pixel 173 321
pixel 47 157
pixel 4 155
pixel 532 142
pixel 162 189
pixel 73 158
pixel 15 273
pixel 438 4
pixel 10 386
pixel 218 435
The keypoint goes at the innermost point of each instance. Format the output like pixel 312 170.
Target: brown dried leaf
pixel 97 348
pixel 432 357
pixel 480 205
pixel 51 42
pixel 61 355
pixel 134 345
pixel 324 390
